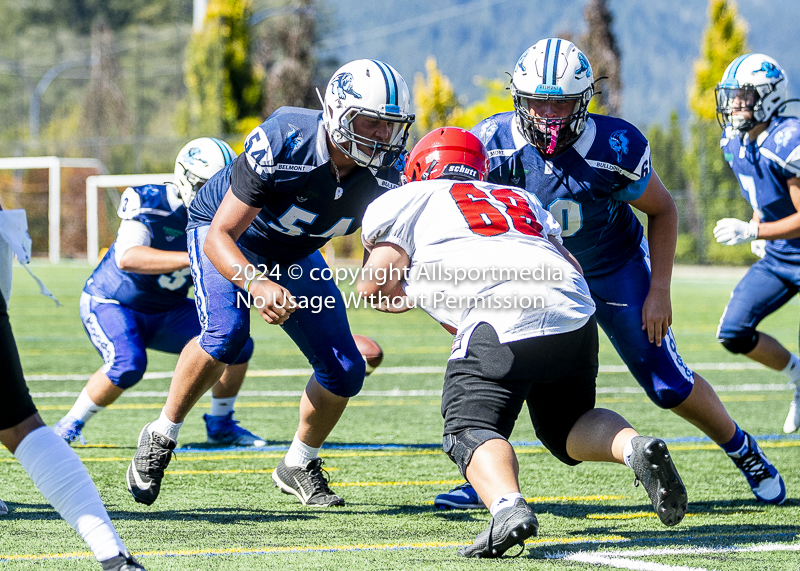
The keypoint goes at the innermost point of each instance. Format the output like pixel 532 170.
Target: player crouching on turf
pixel 517 339
pixel 136 298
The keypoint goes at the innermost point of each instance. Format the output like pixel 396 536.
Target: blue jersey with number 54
pixel 586 187
pixel 166 220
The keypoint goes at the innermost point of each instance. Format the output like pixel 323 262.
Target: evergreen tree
pixel 287 54
pixel 600 46
pixel 224 90
pixel 714 187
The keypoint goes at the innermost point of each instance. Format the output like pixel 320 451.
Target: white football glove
pixel 730 231
pixel 759 248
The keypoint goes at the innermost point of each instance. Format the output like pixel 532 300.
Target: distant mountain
pixel 659 40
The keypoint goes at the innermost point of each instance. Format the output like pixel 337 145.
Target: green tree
pixel 713 186
pixel 435 102
pixel 497 99
pixel 224 89
pixel 601 47
pixel 668 149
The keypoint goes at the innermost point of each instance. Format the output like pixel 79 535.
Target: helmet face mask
pixel 197 162
pixel 552 70
pixel 450 153
pixel 371 90
pixel 753 89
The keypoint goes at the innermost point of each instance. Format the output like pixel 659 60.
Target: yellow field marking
pixel 306 548
pixel 575 499
pixel 637 515
pixel 406 483
pixel 289 404
pixel 182 472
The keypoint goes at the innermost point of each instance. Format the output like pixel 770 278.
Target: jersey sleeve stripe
pixel 783 164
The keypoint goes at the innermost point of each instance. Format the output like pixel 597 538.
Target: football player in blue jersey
pixel 589 170
pixel 762 147
pixel 254 233
pixel 136 298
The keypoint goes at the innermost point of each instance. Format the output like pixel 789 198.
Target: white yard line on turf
pixel 622 559
pixel 394 371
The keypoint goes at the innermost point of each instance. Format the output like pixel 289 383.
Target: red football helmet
pixel 448 152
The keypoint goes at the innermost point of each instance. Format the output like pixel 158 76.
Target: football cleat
pixel 763 477
pixel 225 430
pixel 147 467
pixel 3 508
pixel 653 467
pixel 511 526
pixel 309 484
pixel 122 562
pixel 69 428
pixel 793 419
pixel 463 497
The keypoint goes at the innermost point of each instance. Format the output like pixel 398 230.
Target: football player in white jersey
pixel 762 146
pixel 488 264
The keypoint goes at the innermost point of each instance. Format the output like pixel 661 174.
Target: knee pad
pixel 460 446
pixel 225 346
pixel 741 345
pixel 345 381
pixel 246 354
pixel 127 379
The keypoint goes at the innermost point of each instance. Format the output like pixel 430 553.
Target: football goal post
pixel 53 165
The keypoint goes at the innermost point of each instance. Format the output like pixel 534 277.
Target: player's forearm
pixel 662 237
pixel 784 229
pixel 147 260
pixel 222 251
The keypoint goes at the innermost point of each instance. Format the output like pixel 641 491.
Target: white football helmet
pixel 197 162
pixel 552 69
pixel 755 83
pixel 373 89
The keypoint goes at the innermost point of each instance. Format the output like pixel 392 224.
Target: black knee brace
pixel 741 344
pixel 459 447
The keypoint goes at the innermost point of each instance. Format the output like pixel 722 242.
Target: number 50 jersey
pixel 163 214
pixel 480 253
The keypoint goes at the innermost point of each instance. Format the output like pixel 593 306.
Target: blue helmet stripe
pixel 391 84
pixel 735 67
pixel 555 60
pixel 224 148
pixel 544 68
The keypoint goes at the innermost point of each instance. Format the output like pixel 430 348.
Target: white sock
pixel 503 502
pixel 63 480
pixel 165 426
pixel 792 370
pixel 627 454
pixel 221 407
pixel 300 454
pixel 84 407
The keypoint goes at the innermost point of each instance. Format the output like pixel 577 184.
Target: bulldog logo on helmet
pixel 343 84
pixel 772 70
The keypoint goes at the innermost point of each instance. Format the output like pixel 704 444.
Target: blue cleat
pixel 225 430
pixel 69 428
pixel 763 477
pixel 463 497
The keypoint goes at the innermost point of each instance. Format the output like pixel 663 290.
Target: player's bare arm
pixel 147 260
pixel 566 253
pixel 382 275
pixel 231 220
pixel 662 235
pixel 786 228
